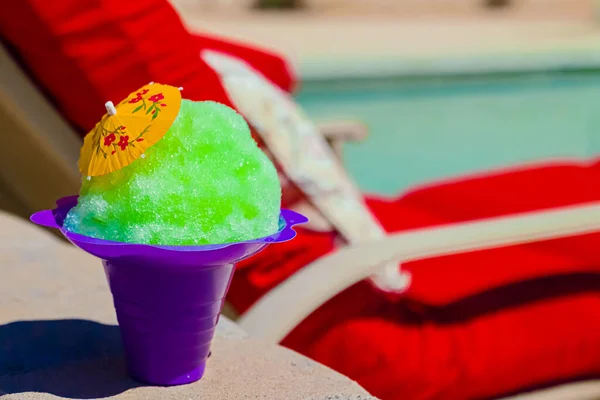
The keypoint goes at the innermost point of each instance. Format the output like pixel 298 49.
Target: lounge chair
pixel 38 153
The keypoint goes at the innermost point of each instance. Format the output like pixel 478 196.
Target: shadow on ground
pixel 74 359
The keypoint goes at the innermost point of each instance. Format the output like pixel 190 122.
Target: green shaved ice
pixel 205 182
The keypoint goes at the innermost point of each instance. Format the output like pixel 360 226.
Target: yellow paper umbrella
pixel 128 129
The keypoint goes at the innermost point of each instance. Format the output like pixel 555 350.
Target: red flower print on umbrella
pixel 156 98
pixel 123 142
pixel 155 108
pixel 109 139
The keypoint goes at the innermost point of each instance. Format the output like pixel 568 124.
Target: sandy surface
pixel 239 369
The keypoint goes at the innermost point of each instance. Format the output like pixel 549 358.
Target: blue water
pixel 426 130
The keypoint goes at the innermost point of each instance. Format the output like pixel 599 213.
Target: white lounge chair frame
pixel 284 307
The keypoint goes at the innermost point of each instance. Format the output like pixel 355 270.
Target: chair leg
pixel 497 3
pixel 230 312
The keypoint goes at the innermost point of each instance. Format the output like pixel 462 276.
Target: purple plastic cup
pixel 168 298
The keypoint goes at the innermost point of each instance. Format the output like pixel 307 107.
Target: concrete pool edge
pixel 453 65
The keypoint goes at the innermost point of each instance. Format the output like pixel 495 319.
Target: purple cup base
pixel 192 376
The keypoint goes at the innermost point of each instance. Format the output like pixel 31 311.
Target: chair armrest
pixel 272 317
pixel 352 131
pixel 338 132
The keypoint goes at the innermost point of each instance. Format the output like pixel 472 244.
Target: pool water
pixel 429 129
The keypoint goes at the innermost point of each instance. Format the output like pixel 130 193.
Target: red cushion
pixel 446 279
pixel 269 64
pixel 84 53
pixel 492 354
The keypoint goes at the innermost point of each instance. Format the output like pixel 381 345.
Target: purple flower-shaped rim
pixel 108 250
